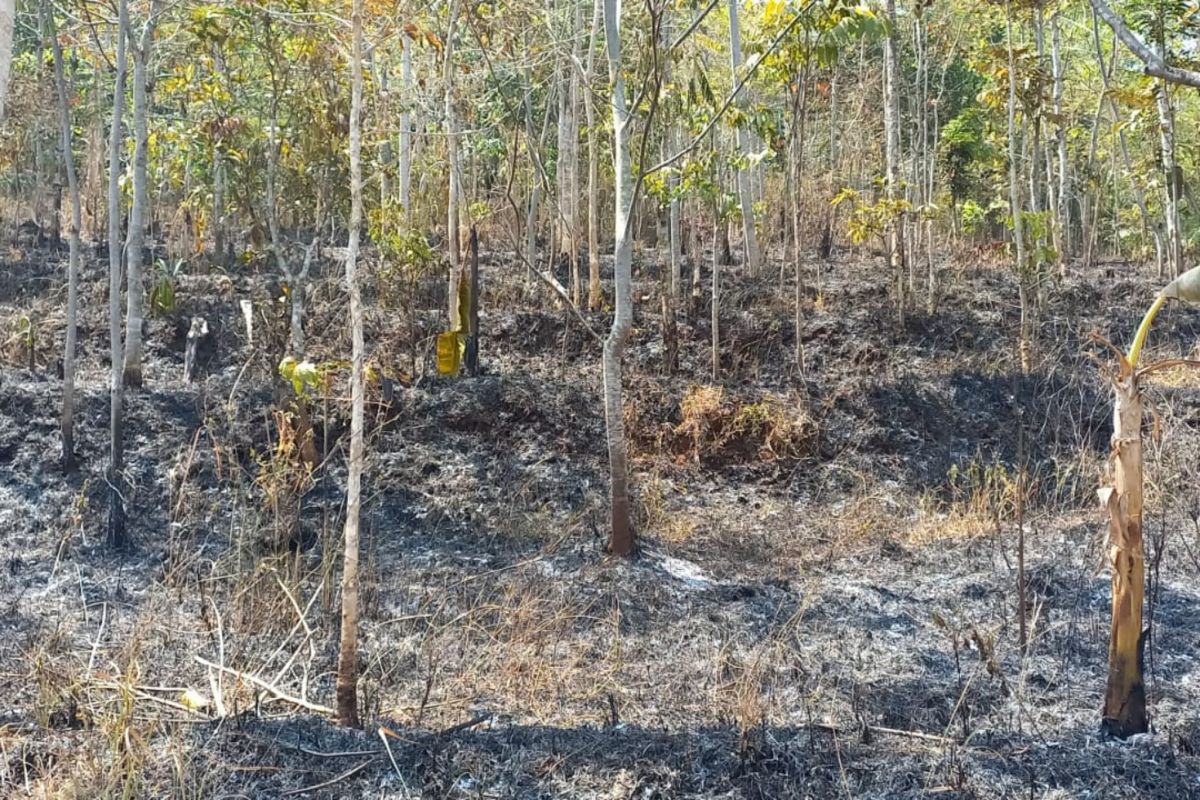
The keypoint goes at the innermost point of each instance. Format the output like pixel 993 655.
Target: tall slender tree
pixel 68 158
pixel 8 16
pixel 135 246
pixel 454 168
pixel 593 187
pixel 621 538
pixel 891 128
pixel 347 667
pixel 1014 191
pixel 116 493
pixel 406 121
pixel 741 145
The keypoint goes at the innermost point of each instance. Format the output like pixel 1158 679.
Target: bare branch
pixel 1154 64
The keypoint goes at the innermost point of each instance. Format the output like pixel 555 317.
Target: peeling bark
pixel 1125 694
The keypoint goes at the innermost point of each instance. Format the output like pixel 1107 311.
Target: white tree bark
pixel 749 235
pixel 670 145
pixel 1014 182
pixel 891 125
pixel 595 298
pixel 68 156
pixel 532 145
pixel 218 161
pixel 621 538
pixel 116 502
pixel 406 101
pixel 453 243
pixel 1060 139
pixel 347 668
pixel 1153 62
pixel 1139 196
pixel 135 247
pixel 715 304
pixel 570 159
pixel 1166 134
pixel 8 14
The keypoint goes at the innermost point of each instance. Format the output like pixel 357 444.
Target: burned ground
pixel 827 615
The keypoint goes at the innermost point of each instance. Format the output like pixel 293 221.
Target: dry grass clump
pixel 716 427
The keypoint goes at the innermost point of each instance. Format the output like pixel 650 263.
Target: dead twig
pixel 335 779
pixel 279 694
pixel 462 726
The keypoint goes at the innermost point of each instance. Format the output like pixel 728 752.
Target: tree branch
pixel 1152 62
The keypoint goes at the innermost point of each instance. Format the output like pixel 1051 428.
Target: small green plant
pixel 1037 227
pixel 869 219
pixel 304 376
pixel 973 216
pixel 162 296
pixel 23 336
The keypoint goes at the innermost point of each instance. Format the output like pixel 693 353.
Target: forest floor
pixel 823 605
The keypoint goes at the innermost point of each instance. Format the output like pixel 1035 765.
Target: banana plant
pixel 1125 711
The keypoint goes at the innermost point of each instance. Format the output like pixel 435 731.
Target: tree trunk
pixel 473 313
pixel 68 156
pixel 296 281
pixel 1125 695
pixel 347 666
pixel 95 161
pixel 595 296
pixel 795 175
pixel 670 133
pixel 1063 221
pixel 715 307
pixel 39 158
pixel 749 235
pixel 297 288
pixel 1138 195
pixel 218 205
pixel 135 247
pixel 406 100
pixel 569 158
pixel 621 540
pixel 386 156
pixel 535 190
pixel 1046 152
pixel 1166 131
pixel 218 160
pixel 1014 192
pixel 694 254
pixel 8 14
pixel 116 501
pixel 454 178
pixel 891 125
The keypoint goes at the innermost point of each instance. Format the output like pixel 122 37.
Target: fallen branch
pixel 462 726
pixel 927 737
pixel 335 779
pixel 279 694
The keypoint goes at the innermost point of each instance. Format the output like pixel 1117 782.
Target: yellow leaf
pixel 193 700
pixel 449 353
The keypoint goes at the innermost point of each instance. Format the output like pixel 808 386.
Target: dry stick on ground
pixel 276 692
pixel 383 735
pixel 331 782
pixel 214 676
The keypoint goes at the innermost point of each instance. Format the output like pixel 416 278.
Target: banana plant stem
pixel 1139 339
